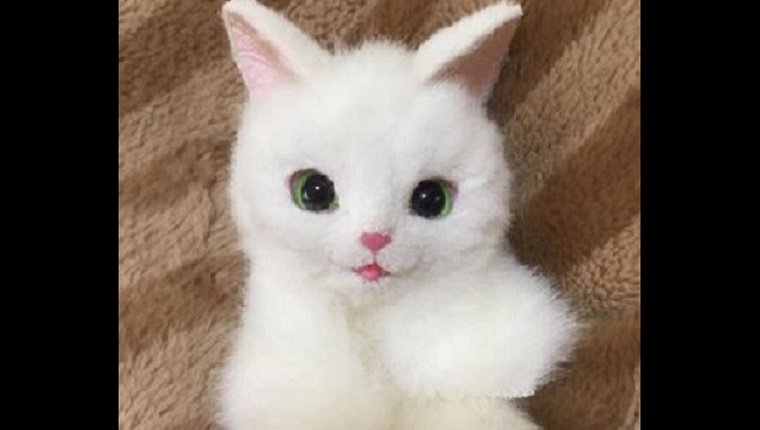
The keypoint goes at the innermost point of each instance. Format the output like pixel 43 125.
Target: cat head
pixel 374 166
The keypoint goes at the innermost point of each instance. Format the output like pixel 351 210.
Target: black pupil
pixel 428 199
pixel 317 193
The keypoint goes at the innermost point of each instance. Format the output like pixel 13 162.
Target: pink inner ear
pixel 480 68
pixel 258 61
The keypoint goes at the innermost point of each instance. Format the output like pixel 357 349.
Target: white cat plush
pixel 371 193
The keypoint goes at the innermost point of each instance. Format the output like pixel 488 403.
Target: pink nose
pixel 375 241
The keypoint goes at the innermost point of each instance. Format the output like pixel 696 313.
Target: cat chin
pixel 356 290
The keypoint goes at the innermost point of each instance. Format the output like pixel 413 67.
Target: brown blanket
pixel 569 97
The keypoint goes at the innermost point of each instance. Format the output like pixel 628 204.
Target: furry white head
pixel 405 176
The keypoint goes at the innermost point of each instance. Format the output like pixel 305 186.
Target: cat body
pixel 371 193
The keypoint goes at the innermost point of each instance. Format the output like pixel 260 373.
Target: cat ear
pixel 269 50
pixel 471 50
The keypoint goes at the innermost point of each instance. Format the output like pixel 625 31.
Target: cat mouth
pixel 371 272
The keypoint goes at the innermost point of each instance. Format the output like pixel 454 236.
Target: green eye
pixel 432 198
pixel 313 191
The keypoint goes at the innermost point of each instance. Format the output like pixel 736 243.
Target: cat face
pixel 370 167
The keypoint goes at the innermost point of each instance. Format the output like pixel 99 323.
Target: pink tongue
pixel 370 272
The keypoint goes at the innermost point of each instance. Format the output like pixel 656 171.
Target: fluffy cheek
pixel 432 247
pixel 456 242
pixel 273 217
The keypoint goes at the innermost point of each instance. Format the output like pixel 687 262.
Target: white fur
pixel 458 328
